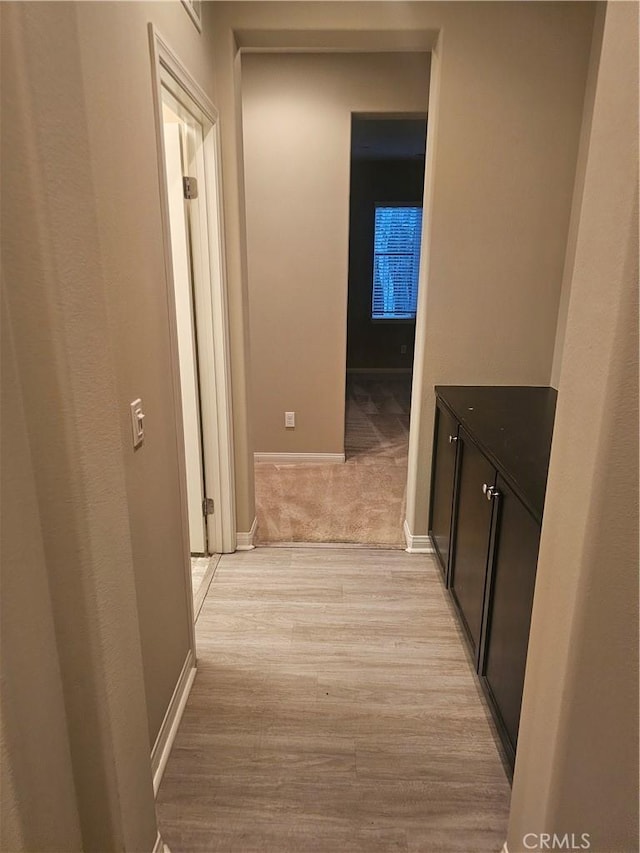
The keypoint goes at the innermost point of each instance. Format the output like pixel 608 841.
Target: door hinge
pixel 190 187
pixel 207 506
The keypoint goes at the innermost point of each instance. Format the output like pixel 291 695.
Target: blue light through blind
pixel 396 261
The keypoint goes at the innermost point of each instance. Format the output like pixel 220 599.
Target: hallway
pixel 361 501
pixel 334 709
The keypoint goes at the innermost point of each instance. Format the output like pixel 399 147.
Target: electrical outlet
pixel 290 420
pixel 403 349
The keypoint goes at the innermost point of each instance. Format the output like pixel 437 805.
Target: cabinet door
pixel 472 535
pixel 509 603
pixel 442 482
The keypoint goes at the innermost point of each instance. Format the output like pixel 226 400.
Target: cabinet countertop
pixel 513 426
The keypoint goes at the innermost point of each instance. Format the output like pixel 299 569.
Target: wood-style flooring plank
pixel 335 708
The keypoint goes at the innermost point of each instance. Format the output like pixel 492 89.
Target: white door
pixel 188 132
pixel 182 139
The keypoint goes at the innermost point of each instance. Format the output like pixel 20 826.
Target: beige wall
pixel 83 272
pixel 504 139
pixel 296 112
pixel 576 205
pixel 502 170
pixel 56 309
pixel 577 764
pixel 120 123
pixel 34 813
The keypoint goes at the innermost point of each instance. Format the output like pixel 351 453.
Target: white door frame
pixel 212 309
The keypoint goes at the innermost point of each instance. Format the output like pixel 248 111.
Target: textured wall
pixel 297 142
pixel 510 88
pixel 502 154
pixel 577 764
pixel 83 271
pixel 35 742
pixel 56 304
pixel 576 208
pixel 120 122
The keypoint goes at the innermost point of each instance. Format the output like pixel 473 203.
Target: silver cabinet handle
pixel 484 488
pixel 490 491
pixel 453 439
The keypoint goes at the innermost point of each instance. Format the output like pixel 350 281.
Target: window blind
pixel 396 262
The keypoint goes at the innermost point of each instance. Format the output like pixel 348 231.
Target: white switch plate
pixel 290 420
pixel 137 422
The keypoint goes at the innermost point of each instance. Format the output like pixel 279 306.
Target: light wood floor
pixel 335 709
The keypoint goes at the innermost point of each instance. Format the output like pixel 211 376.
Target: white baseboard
pixel 160 846
pixel 300 458
pixel 363 546
pixel 417 544
pixel 166 735
pixel 244 541
pixel 203 589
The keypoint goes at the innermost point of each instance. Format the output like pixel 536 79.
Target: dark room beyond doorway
pixel 387 181
pixel 385 228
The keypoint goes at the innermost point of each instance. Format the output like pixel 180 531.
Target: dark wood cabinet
pixel 510 586
pixel 473 529
pixel 487 495
pixel 445 438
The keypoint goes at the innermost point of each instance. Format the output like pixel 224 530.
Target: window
pixel 396 261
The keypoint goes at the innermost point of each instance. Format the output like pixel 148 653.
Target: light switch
pixel 290 420
pixel 137 422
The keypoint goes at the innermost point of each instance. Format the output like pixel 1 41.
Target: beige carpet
pixel 361 501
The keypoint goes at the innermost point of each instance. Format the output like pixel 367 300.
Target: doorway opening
pixel 297 111
pixel 187 126
pixel 182 138
pixel 385 232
